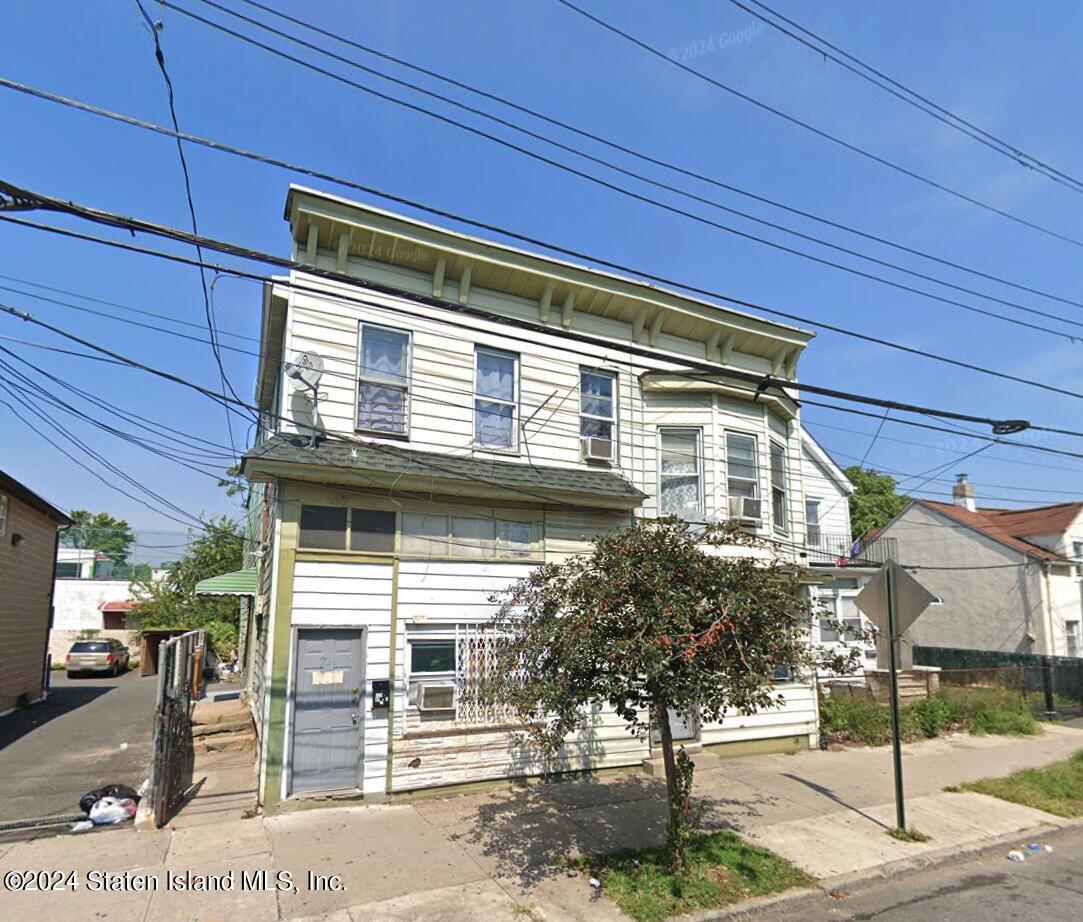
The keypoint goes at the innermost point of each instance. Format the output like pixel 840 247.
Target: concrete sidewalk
pixel 498 854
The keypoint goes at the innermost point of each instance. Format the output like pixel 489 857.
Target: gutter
pixel 45 664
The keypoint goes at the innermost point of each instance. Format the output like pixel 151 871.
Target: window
pixel 383 380
pixel 66 569
pixel 372 530
pixel 812 523
pixel 465 536
pixel 778 486
pixel 323 527
pixel 1077 554
pixel 1072 639
pixel 742 468
pixel 3 515
pixel 432 657
pixel 598 414
pixel 680 485
pixel 496 398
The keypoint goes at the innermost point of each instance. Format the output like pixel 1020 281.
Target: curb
pixel 63 818
pixel 824 887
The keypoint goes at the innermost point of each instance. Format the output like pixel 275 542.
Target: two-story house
pixel 1009 580
pixel 441 414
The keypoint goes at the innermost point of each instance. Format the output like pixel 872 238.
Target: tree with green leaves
pixel 659 620
pixel 171 601
pixel 874 501
pixel 99 531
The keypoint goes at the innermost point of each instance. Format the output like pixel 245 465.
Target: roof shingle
pixel 1014 526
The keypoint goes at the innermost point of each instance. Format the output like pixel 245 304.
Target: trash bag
pixel 119 791
pixel 111 810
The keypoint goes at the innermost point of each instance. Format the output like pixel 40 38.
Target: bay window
pixel 778 486
pixel 680 474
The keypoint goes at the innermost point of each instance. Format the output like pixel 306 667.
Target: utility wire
pixel 911 97
pixel 481 225
pixel 114 220
pixel 640 155
pixel 835 139
pixel 636 196
pixel 159 55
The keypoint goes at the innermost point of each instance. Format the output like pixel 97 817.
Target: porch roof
pixel 382 466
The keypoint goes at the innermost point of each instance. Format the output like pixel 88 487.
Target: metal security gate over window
pixel 180 662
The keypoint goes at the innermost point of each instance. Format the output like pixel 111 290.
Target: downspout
pixel 45 664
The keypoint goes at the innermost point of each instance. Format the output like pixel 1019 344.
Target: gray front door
pixel 328 709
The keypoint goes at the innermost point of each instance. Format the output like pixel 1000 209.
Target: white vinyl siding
pixel 383 380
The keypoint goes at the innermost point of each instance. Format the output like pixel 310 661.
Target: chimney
pixel 963 493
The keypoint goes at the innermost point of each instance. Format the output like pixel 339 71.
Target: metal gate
pixel 180 664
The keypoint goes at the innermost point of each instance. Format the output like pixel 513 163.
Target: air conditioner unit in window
pixel 436 696
pixel 597 449
pixel 746 508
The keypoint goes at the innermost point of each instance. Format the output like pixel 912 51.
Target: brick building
pixel 28 541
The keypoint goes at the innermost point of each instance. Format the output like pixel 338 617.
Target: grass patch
pixel 1056 789
pixel 721 870
pixel 908 835
pixel 847 719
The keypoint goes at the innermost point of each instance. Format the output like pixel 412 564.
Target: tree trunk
pixel 668 760
pixel 677 825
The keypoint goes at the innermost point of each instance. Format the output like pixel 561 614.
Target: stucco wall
pixel 983 609
pixel 77 601
pixel 26 579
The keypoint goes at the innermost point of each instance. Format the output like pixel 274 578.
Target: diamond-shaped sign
pixel 911 599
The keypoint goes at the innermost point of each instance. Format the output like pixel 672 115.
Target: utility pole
pixel 893 665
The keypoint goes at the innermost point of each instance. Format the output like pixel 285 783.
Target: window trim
pixel 614 377
pixel 512 449
pixel 700 473
pixel 783 526
pixel 362 378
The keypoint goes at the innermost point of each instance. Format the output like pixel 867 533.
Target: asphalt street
pixel 1045 887
pixel 90 732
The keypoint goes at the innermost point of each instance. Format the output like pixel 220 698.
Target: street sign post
pixel 893 599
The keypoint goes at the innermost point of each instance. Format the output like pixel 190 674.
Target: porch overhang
pixel 239 582
pixel 377 466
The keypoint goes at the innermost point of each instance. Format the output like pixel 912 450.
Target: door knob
pixel 353 717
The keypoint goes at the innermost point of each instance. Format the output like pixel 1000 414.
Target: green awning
pixel 239 582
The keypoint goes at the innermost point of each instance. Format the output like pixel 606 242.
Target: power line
pixel 646 158
pixel 911 97
pixel 835 139
pixel 481 225
pixel 628 193
pixel 114 220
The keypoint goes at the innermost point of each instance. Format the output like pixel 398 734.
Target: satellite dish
pixel 306 372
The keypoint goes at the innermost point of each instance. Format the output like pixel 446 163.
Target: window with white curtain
pixel 496 398
pixel 680 474
pixel 466 536
pixel 597 411
pixel 383 386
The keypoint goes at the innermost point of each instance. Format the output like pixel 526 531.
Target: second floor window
pixel 680 477
pixel 778 486
pixel 496 398
pixel 742 469
pixel 383 388
pixel 598 414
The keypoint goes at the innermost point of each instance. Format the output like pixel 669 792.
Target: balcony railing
pixel 841 550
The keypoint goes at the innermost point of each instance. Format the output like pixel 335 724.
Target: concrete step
pixel 215 712
pixel 225 742
pixel 232 726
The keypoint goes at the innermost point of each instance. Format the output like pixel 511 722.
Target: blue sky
pixel 1007 69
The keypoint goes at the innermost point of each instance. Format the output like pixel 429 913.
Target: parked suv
pixel 102 656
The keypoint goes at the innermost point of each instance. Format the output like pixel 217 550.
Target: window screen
pixel 429 656
pixel 323 527
pixel 372 530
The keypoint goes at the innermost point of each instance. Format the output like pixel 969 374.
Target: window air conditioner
pixel 436 696
pixel 746 508
pixel 595 449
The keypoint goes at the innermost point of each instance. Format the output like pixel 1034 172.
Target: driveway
pixel 90 732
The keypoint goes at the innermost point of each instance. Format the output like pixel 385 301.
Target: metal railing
pixel 842 550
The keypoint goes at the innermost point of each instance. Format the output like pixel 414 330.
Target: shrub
pixel 222 638
pixel 933 715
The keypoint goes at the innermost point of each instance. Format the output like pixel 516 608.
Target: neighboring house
pixel 85 600
pixel 829 551
pixel 441 455
pixel 28 543
pixel 1009 580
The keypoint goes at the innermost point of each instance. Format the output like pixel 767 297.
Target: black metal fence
pixel 1053 685
pixel 180 663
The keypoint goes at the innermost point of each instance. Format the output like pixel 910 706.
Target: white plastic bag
pixel 109 810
